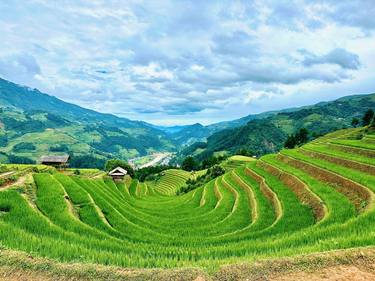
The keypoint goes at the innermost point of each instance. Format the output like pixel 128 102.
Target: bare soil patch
pixel 335 273
pixel 351 264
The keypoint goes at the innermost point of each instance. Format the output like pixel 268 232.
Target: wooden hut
pixel 118 173
pixel 55 161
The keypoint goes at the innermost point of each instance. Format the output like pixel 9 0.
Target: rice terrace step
pixel 187 140
pixel 261 209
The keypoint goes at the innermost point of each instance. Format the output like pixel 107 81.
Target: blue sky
pixel 181 62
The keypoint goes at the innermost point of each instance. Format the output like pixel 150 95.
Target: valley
pixel 33 124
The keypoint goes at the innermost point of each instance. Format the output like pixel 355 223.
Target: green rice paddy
pixel 315 198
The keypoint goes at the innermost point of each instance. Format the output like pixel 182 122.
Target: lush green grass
pixel 245 214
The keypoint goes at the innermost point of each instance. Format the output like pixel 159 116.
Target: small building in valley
pixel 118 173
pixel 55 161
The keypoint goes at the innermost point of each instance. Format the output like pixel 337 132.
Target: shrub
pixel 355 122
pixel 367 118
pixel 244 152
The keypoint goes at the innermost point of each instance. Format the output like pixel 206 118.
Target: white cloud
pixel 203 60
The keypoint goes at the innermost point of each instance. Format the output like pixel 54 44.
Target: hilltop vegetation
pixel 313 198
pixel 267 135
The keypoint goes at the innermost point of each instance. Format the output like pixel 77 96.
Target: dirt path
pixel 336 273
pixel 7 174
pixel 351 264
pixel 20 181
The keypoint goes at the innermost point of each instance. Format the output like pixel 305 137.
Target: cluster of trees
pixel 245 152
pixel 150 173
pixel 367 119
pixel 15 159
pixel 212 173
pixel 23 146
pixel 191 164
pixel 299 138
pixel 86 161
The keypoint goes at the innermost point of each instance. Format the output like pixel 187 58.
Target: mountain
pixel 190 134
pixel 267 135
pixel 33 123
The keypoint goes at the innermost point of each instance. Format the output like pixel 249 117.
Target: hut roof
pixel 54 159
pixel 118 171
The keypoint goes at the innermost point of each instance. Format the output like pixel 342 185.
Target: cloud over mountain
pixel 189 60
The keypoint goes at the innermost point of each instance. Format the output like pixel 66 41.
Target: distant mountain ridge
pixel 32 117
pixel 33 123
pixel 267 134
pixel 189 134
pixel 28 99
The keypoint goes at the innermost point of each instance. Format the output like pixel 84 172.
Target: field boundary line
pixel 218 194
pixel 318 206
pixel 254 208
pixel 370 194
pixel 268 193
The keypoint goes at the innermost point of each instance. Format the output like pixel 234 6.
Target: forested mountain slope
pixel 33 123
pixel 267 135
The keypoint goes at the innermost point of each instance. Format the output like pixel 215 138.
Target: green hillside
pixel 33 123
pixel 315 198
pixel 267 135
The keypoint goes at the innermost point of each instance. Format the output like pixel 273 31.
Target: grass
pixel 247 214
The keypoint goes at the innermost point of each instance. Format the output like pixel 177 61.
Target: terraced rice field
pixel 315 198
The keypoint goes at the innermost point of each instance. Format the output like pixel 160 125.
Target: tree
pixel 216 171
pixel 302 136
pixel 372 125
pixel 355 122
pixel 189 164
pixel 290 142
pixel 367 118
pixel 299 138
pixel 244 152
pixel 114 163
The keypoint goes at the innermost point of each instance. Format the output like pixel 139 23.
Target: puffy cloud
pixel 337 56
pixel 187 60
